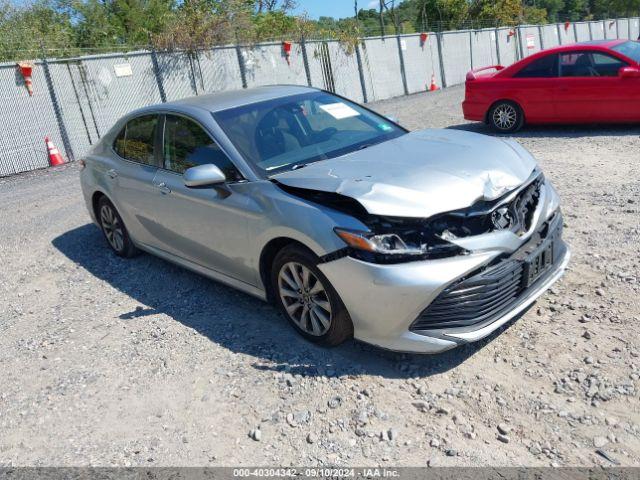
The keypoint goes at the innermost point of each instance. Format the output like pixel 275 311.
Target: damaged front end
pixel 390 239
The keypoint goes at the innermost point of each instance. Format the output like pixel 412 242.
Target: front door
pixel 577 93
pixel 619 99
pixel 205 225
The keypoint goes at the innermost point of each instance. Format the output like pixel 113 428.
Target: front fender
pixel 286 216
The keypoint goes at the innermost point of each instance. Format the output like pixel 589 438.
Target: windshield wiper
pixel 366 145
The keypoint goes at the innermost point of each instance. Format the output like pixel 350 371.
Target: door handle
pixel 112 174
pixel 163 188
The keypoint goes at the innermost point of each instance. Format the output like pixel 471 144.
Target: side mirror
pixel 629 72
pixel 203 175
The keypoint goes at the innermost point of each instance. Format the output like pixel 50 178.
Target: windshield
pixel 629 49
pixel 289 132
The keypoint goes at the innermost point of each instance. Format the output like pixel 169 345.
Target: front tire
pixel 114 230
pixel 505 117
pixel 307 299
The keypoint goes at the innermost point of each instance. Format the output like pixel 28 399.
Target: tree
pixel 23 31
pixel 445 14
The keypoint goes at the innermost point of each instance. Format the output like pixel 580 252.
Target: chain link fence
pixel 76 100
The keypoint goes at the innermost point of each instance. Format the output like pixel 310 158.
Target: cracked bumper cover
pixel 385 300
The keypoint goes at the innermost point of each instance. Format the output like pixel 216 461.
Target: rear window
pixel 629 49
pixel 545 67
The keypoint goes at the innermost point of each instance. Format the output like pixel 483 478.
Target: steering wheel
pixel 324 135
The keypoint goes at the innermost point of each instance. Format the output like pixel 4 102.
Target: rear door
pixel 534 87
pixel 131 175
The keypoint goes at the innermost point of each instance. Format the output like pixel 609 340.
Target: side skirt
pixel 204 271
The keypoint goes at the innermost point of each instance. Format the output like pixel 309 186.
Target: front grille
pixel 475 299
pixel 487 295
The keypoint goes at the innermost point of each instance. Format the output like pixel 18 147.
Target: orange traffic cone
pixel 433 87
pixel 55 158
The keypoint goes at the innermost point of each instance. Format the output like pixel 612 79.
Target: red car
pixel 587 82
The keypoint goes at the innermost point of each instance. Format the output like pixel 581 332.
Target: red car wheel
pixel 506 116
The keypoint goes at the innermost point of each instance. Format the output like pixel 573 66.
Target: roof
pixel 593 43
pixel 590 45
pixel 215 102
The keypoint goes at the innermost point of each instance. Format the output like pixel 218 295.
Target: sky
pixel 332 8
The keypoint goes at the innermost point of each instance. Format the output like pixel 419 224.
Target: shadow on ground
pixel 555 131
pixel 238 321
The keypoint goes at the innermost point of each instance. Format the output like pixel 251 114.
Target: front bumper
pixel 385 301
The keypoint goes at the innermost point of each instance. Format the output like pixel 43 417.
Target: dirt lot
pixel 107 361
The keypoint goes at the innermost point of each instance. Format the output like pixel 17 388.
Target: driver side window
pixel 187 145
pixel 589 64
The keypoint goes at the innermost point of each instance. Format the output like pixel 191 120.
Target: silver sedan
pixel 350 224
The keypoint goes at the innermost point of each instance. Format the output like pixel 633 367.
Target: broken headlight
pixel 386 243
pixel 389 247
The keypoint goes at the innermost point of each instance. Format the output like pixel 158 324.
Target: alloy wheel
pixel 112 228
pixel 505 116
pixel 304 298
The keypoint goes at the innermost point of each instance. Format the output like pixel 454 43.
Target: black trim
pixel 338 254
pixel 488 293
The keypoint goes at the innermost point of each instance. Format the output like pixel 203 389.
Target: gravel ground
pixel 107 361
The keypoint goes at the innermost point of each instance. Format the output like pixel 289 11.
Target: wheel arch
pixel 95 200
pixel 268 255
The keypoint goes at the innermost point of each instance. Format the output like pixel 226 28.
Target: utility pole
pixel 382 18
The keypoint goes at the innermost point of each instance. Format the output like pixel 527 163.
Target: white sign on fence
pixel 123 70
pixel 531 41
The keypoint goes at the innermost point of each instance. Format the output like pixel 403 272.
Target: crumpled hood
pixel 421 173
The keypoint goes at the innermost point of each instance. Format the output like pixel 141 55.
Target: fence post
pixel 158 75
pixel 497 39
pixel 443 77
pixel 575 31
pixel 363 85
pixel 541 37
pixel 519 33
pixel 402 69
pixel 75 92
pixel 85 82
pixel 590 31
pixel 243 71
pixel 194 82
pixel 471 48
pixel 56 109
pixel 559 33
pixel 305 59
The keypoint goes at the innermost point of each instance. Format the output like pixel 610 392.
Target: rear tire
pixel 114 230
pixel 307 299
pixel 505 116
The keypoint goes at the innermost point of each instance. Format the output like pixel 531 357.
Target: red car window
pixel 576 64
pixel 545 67
pixel 606 65
pixel 589 64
